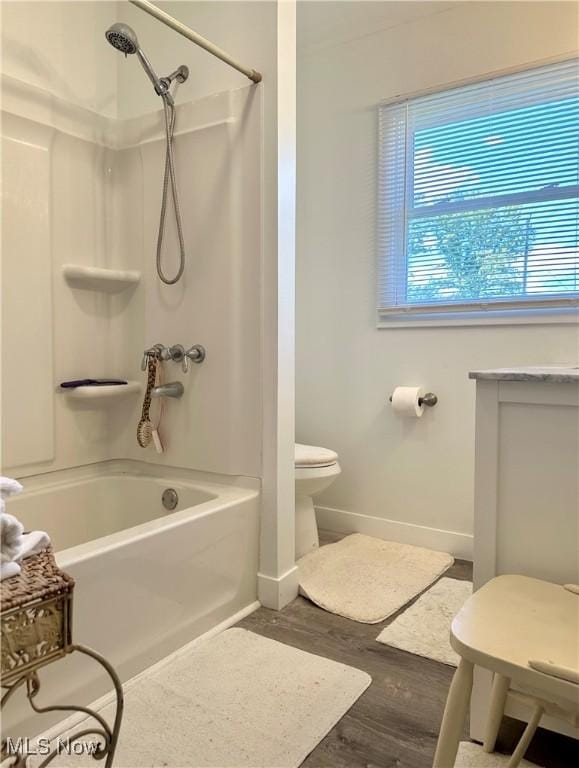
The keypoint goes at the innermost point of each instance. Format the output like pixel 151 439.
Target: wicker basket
pixel 36 616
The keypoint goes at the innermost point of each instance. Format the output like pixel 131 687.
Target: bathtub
pixel 148 579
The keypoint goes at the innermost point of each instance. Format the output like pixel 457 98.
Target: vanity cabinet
pixel 526 512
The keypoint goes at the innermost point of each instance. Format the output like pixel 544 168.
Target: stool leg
pixel 525 739
pixel 454 716
pixel 501 687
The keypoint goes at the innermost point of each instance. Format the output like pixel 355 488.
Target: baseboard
pixel 457 544
pixel 276 593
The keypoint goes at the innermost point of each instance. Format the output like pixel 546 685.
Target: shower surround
pixel 82 190
pixel 92 194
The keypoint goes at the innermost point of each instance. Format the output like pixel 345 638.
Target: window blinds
pixel 478 195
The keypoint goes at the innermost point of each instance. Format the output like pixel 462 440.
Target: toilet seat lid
pixel 314 456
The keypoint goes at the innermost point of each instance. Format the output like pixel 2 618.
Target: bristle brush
pixel 145 428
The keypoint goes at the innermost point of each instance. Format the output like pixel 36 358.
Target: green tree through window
pixel 480 255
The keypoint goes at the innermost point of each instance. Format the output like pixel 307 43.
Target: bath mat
pixel 473 756
pixel 367 579
pixel 236 700
pixel 423 629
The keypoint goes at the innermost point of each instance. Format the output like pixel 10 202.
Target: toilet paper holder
pixel 428 399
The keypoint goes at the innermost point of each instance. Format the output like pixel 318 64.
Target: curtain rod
pixel 165 18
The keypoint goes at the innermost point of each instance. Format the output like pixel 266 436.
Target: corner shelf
pixel 112 392
pixel 100 278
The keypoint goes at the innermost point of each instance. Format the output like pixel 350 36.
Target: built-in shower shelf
pixel 112 392
pixel 100 278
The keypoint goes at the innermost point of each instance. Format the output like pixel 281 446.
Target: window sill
pixel 516 316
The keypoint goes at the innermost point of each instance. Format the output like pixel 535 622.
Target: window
pixel 478 203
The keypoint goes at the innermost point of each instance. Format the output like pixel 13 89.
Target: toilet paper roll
pixel 405 401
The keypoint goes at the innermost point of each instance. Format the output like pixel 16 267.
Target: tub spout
pixel 172 389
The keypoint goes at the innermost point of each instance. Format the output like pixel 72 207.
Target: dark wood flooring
pixel 395 723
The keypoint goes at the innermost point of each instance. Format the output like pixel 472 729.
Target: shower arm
pixel 196 38
pixel 180 75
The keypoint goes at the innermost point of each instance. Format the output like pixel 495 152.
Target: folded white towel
pixel 32 543
pixel 15 545
pixel 9 487
pixel 11 530
pixel 9 569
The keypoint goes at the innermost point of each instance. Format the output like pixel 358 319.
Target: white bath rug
pixel 424 628
pixel 367 579
pixel 473 756
pixel 236 700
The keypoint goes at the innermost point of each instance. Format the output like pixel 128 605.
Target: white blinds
pixel 478 201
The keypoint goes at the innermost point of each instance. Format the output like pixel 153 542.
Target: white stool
pixel 509 622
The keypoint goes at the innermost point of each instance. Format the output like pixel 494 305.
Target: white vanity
pixel 526 515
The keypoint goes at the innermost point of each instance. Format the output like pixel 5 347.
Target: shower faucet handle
pixel 196 354
pixel 176 353
pixel 155 351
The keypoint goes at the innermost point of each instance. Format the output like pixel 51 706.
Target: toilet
pixel 316 468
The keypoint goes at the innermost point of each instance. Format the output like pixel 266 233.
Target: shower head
pixel 123 38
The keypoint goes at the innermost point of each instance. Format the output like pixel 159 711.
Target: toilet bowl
pixel 315 469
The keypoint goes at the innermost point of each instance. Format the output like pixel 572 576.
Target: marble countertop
pixel 560 373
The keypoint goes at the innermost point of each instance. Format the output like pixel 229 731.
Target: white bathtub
pixel 147 580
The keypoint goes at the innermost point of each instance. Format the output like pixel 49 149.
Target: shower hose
pixel 169 110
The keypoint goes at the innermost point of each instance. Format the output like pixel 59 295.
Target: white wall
pixel 61 47
pixel 413 473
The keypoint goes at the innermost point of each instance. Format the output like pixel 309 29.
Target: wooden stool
pixel 509 622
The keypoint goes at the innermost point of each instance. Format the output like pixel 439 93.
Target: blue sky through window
pixel 491 210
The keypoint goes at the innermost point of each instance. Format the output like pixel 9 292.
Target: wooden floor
pixel 395 723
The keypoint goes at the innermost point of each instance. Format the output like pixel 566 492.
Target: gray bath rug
pixel 236 700
pixel 473 756
pixel 424 628
pixel 368 579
